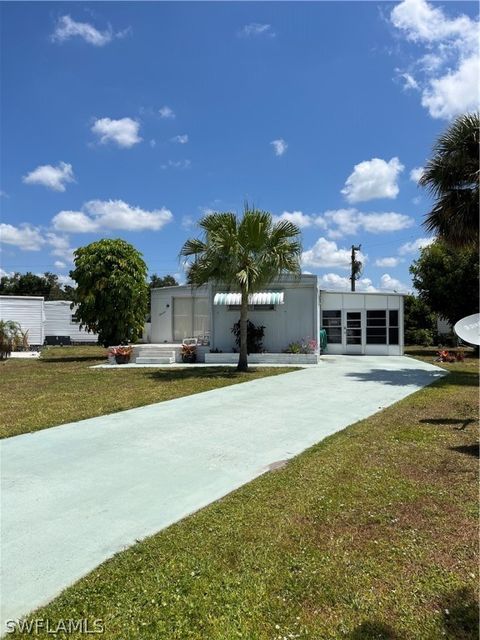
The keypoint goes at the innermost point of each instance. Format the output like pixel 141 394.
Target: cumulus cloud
pixel 387 283
pixel 415 245
pixel 371 179
pixel 54 178
pixel 256 29
pixel 24 237
pixel 100 215
pixel 60 246
pixel 447 66
pixel 416 173
pixel 59 264
pixel 122 132
pixel 342 283
pixel 343 222
pixel 67 28
pixel 279 146
pixel 302 220
pixel 166 112
pixel 326 253
pixel 181 139
pixel 387 262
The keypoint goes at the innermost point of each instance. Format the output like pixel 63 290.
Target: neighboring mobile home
pixel 60 323
pixel 29 312
pixel 290 309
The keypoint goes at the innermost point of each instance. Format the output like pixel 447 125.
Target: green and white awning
pixel 262 297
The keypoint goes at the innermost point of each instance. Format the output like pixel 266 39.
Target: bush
pixel 254 337
pixel 422 337
pixel 302 346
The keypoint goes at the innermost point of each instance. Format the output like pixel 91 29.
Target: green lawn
pixel 61 387
pixel 369 535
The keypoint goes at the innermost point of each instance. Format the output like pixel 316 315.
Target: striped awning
pixel 262 297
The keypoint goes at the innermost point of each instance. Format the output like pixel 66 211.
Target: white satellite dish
pixel 468 329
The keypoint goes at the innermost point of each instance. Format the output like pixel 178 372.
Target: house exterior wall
pixel 162 304
pixel 361 302
pixel 297 318
pixel 58 322
pixel 28 312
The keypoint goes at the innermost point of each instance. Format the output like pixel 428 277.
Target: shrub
pixel 422 337
pixel 305 345
pixel 254 337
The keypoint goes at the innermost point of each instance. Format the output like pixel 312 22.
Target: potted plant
pixel 189 353
pixel 122 354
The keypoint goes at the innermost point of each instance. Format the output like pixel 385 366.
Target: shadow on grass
pixel 203 373
pixel 80 359
pixel 464 422
pixel 417 377
pixel 373 630
pixel 468 449
pixel 460 618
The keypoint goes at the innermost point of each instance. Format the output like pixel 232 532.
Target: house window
pixel 253 307
pixel 332 323
pixel 382 327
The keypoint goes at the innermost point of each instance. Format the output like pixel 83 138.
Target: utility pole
pixel 355 266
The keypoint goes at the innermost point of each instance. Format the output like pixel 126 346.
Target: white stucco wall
pixel 161 329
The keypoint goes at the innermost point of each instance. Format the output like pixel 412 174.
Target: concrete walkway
pixel 74 495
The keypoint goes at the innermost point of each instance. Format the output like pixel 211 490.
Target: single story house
pixel 50 322
pixel 290 309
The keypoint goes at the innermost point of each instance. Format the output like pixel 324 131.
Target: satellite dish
pixel 468 329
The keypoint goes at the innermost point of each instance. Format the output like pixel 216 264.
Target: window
pixel 378 330
pixel 332 323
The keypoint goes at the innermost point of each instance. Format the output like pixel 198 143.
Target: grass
pixel 61 387
pixel 369 535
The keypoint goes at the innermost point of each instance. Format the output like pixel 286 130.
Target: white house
pixel 290 309
pixel 29 312
pixel 49 321
pixel 60 323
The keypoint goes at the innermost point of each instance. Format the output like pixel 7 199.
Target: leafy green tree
pixel 419 321
pixel 245 253
pixel 31 284
pixel 447 280
pixel 112 290
pixel 452 176
pixel 157 282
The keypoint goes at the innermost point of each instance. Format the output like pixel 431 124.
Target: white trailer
pixel 28 312
pixel 60 323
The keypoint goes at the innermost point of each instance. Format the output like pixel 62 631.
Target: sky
pixel 133 120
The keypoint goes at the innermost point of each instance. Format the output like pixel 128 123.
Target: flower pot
pixel 119 359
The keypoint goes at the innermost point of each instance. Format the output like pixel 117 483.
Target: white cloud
pixel 325 253
pixel 61 246
pixel 447 75
pixel 166 112
pixel 279 146
pixel 24 237
pixel 387 283
pixel 371 179
pixel 59 264
pixel 188 222
pixel 98 215
pixel 350 221
pixel 387 262
pixel 256 29
pixel 153 143
pixel 342 283
pixel 67 28
pixel 302 220
pixel 415 245
pixel 65 280
pixel 123 132
pixel 181 139
pixel 177 164
pixel 409 81
pixel 51 177
pixel 416 173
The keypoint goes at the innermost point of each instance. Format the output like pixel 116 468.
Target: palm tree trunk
pixel 243 357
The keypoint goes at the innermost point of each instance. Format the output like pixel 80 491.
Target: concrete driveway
pixel 74 495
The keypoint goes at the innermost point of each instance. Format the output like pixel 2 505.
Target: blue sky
pixel 133 119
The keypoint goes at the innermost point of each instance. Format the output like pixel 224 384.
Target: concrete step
pixel 168 353
pixel 155 360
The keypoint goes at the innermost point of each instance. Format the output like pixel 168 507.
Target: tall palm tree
pixel 452 177
pixel 244 252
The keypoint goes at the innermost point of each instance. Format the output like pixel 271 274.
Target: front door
pixel 353 332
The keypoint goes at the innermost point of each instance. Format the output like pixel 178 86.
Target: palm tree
pixel 452 177
pixel 245 253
